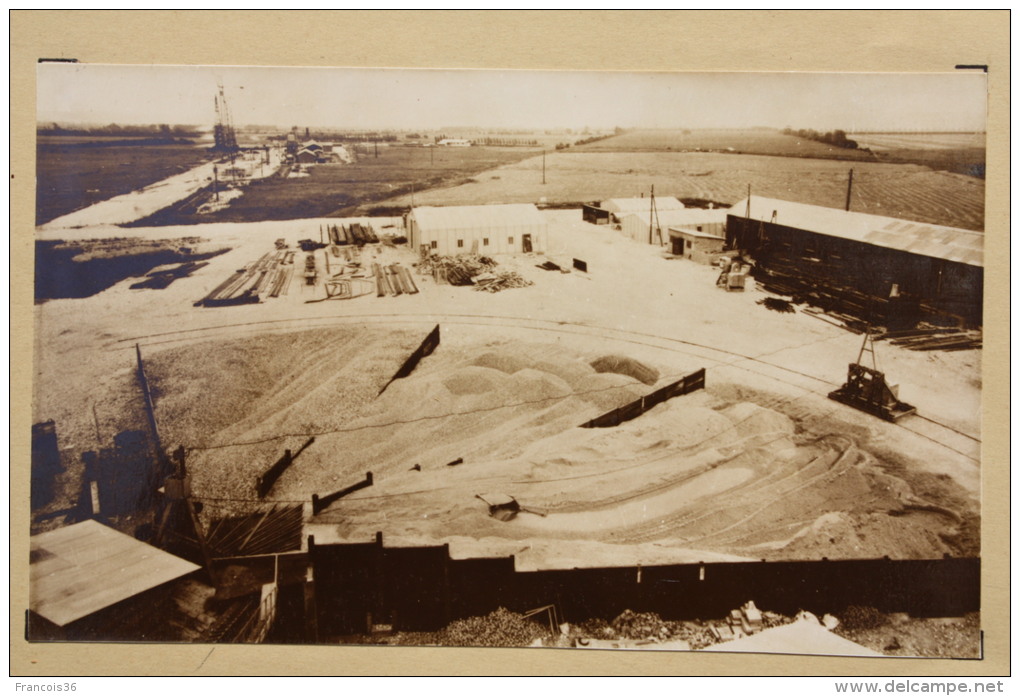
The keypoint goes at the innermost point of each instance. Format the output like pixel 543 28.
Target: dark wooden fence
pixel 426 348
pixel 265 481
pixel 320 504
pixel 692 382
pixel 423 589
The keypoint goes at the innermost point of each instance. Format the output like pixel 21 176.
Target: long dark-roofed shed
pixel 936 270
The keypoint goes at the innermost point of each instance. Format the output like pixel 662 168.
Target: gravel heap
pixel 500 629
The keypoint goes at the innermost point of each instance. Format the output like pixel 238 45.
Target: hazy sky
pixel 389 98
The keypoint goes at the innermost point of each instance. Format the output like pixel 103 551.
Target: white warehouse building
pixel 637 224
pixel 481 229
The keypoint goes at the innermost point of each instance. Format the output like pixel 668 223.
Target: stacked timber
pixel 360 234
pixel 935 339
pixel 816 284
pixel 393 280
pixel 246 284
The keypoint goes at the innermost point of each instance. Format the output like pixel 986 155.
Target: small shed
pixel 484 229
pixel 700 247
pixel 594 214
pixel 88 579
pixel 699 234
pixel 636 225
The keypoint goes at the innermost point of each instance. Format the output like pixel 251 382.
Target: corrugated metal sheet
pixel 936 241
pixel 75 571
pixel 674 232
pixel 675 218
pixel 632 205
pixel 467 217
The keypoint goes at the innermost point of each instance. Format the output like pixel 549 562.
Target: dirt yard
pixel 758 465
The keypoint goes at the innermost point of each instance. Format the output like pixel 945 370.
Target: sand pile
pixel 754 421
pixel 715 471
pixel 608 391
pixel 621 364
pixel 477 380
pixel 503 360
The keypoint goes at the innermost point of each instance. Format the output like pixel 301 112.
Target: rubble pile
pixel 500 629
pixel 501 280
pixel 456 270
pixel 650 626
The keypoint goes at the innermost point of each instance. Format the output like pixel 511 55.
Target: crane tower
pixel 223 131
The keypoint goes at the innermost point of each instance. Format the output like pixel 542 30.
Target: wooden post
pixel 311 608
pixel 446 585
pixel 849 187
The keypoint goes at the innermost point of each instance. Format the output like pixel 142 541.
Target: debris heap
pixel 456 270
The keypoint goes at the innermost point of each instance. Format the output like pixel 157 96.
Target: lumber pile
pixel 456 270
pixel 247 285
pixel 501 280
pixel 934 338
pixel 842 320
pixel 394 280
pixel 818 285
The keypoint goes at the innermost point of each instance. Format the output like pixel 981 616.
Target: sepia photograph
pixel 588 360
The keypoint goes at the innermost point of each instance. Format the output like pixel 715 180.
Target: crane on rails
pixel 223 131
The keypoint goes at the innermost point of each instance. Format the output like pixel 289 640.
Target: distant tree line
pixel 583 141
pixel 162 130
pixel 506 142
pixel 836 138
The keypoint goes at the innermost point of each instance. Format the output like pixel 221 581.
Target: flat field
pixel 340 189
pixel 75 172
pixel 919 141
pixel 907 191
pixel 961 153
pixel 754 141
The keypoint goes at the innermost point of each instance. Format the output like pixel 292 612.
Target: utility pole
pixel 653 218
pixel 747 216
pixel 849 187
pixel 215 182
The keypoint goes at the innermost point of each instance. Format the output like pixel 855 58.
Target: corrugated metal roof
pixel 477 216
pixel 936 241
pixel 674 232
pixel 686 216
pixel 75 571
pixel 633 205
